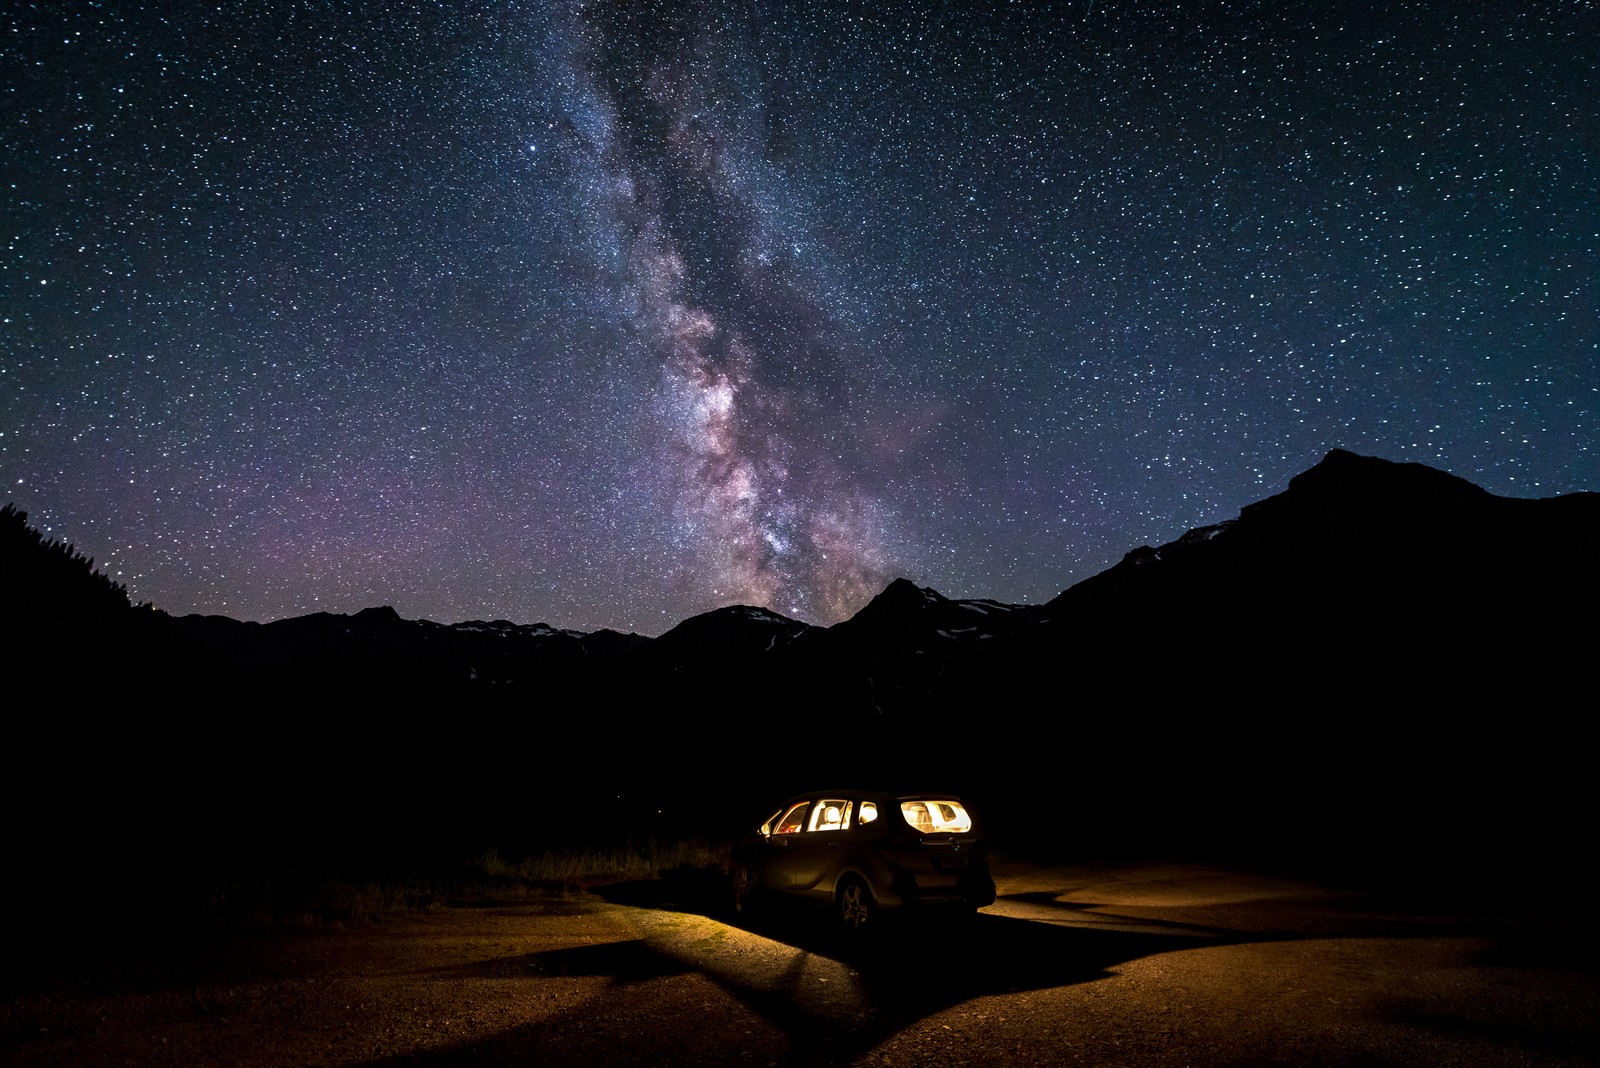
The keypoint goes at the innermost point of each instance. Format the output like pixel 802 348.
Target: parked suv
pixel 863 851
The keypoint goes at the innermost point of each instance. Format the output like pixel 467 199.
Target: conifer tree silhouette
pixel 44 581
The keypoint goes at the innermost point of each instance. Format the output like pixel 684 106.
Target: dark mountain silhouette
pixel 1357 554
pixel 906 616
pixel 1363 548
pixel 1383 656
pixel 736 631
pixel 377 647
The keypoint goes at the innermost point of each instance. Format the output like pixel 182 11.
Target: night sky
pixel 607 315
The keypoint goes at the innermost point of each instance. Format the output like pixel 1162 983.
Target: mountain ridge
pixel 1354 545
pixel 1305 677
pixel 1368 543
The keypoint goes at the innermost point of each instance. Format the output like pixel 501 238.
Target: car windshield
pixel 936 817
pixel 790 821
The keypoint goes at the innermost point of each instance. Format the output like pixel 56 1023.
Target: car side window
pixel 869 811
pixel 830 815
pixel 791 821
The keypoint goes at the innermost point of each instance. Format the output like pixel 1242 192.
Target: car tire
pixel 744 888
pixel 857 908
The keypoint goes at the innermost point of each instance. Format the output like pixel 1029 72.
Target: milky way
pixel 758 466
pixel 608 314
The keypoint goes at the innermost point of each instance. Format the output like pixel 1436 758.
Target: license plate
pixel 949 863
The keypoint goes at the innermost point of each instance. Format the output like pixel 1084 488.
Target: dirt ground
pixel 1111 965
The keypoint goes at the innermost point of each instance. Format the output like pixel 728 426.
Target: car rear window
pixel 935 817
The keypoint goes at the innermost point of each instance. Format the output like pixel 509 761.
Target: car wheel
pixel 744 885
pixel 856 907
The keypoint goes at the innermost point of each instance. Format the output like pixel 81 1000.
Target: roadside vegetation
pixel 313 899
pixel 581 868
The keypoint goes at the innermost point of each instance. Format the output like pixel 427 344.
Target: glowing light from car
pixel 830 815
pixel 936 817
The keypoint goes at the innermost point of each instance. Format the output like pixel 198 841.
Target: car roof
pixel 877 794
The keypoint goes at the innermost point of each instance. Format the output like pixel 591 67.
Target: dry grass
pixel 318 901
pixel 489 878
pixel 589 867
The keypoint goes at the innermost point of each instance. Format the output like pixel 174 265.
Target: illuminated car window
pixel 936 817
pixel 792 820
pixel 830 815
pixel 869 811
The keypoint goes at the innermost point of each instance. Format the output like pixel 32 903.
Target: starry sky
pixel 608 314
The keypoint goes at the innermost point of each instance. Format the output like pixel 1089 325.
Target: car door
pixel 815 853
pixel 773 863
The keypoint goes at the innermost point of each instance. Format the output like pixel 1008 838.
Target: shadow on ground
pixel 828 995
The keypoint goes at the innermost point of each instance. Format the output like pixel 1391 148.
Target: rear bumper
pixel 973 890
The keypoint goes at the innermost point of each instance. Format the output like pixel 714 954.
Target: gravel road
pixel 1109 965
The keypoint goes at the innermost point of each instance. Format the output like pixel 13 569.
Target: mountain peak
pixel 381 614
pixel 1356 544
pixel 900 599
pixel 1342 471
pixel 734 627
